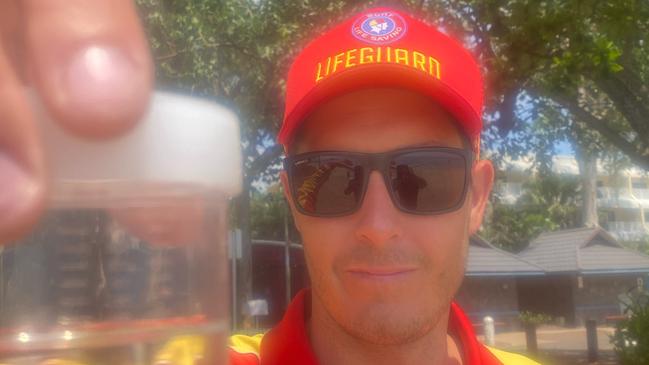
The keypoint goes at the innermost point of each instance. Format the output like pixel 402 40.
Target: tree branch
pixel 637 156
pixel 626 103
pixel 261 163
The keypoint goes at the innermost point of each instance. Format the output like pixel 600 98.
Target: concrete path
pixel 554 339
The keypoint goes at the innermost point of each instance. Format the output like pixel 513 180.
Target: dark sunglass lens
pixel 327 185
pixel 428 182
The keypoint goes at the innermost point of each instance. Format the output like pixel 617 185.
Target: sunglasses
pixel 422 180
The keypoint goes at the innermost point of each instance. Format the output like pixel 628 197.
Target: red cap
pixel 382 47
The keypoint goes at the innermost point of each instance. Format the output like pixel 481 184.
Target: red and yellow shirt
pixel 288 343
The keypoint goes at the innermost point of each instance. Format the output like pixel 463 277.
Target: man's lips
pixel 379 272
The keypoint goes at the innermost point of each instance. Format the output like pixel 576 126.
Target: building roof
pixel 486 260
pixel 585 251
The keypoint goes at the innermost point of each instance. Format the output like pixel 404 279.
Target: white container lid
pixel 182 141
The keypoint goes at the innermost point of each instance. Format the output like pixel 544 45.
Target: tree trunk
pixel 587 162
pixel 530 339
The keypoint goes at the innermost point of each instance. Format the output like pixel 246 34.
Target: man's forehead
pixel 378 99
pixel 375 120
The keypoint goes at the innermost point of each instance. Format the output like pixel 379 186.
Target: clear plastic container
pixel 129 263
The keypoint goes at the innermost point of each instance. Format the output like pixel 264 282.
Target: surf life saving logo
pixel 379 28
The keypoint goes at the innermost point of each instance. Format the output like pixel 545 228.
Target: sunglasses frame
pixel 379 162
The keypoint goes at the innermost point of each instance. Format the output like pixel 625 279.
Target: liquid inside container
pixel 128 266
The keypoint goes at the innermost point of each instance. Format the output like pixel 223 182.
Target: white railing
pixel 613 193
pixel 616 198
pixel 628 231
pixel 626 226
pixel 607 197
pixel 641 193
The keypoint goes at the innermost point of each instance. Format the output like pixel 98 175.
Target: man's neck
pixel 333 345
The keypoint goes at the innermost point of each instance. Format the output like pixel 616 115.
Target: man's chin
pixel 388 319
pixel 387 326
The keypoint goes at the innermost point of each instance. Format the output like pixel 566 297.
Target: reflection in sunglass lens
pixel 327 185
pixel 428 182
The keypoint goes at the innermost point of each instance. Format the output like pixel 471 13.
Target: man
pixel 384 179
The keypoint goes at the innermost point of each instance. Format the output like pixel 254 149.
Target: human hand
pixel 89 63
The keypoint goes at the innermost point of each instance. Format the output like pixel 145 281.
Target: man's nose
pixel 379 218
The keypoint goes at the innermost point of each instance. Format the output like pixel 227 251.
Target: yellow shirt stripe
pixel 246 344
pixel 509 358
pixel 250 345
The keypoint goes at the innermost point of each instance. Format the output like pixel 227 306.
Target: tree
pixel 587 59
pixel 559 70
pixel 550 202
pixel 268 214
pixel 631 338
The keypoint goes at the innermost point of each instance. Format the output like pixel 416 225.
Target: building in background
pixel 588 275
pixel 622 196
pixel 572 275
pixel 490 283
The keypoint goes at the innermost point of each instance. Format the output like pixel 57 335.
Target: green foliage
pixel 554 195
pixel 535 319
pixel 269 213
pixel 641 245
pixel 512 230
pixel 550 202
pixel 631 338
pixel 582 64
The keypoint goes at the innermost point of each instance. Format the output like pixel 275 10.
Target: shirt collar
pixel 288 343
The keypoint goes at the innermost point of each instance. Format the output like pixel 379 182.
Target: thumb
pixel 90 62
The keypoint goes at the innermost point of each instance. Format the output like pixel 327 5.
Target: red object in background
pixel 382 47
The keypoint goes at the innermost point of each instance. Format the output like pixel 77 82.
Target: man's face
pixel 383 275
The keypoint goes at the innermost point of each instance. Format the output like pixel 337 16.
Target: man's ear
pixel 283 177
pixel 482 180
